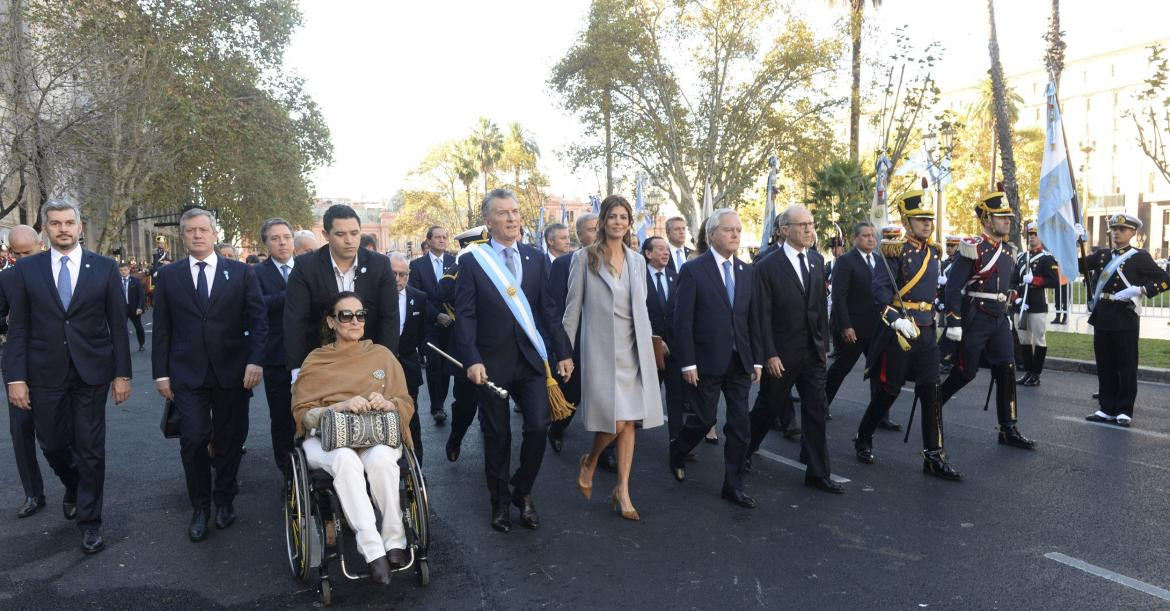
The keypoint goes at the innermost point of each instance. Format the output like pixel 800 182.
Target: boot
pixel 934 462
pixel 1005 408
pixel 863 446
pixel 1037 365
pixel 929 400
pixel 1026 354
pixel 1010 436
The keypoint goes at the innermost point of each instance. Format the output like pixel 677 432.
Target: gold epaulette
pixel 892 248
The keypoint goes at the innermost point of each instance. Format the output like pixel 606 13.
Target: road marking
pixel 1093 569
pixel 1114 427
pixel 796 465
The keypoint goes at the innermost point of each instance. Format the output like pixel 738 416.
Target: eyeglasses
pixel 349 315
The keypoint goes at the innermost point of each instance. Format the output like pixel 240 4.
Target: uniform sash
pixel 512 295
pixel 1112 268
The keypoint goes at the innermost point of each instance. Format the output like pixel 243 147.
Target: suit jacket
pixel 791 318
pixel 853 304
pixel 558 281
pixel 7 277
pixel 422 275
pixel 225 335
pixel 661 314
pixel 273 289
pixel 706 324
pixel 485 330
pixel 43 335
pixel 410 343
pixel 312 285
pixel 135 296
pixel 687 252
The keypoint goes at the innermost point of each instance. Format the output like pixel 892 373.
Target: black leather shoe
pixel 792 433
pixel 380 570
pixel 502 519
pixel 69 508
pixel 1031 379
pixel 440 417
pixel 609 461
pixel 197 531
pixel 91 541
pixel 824 484
pixel 224 516
pixel 1010 436
pixel 1122 423
pixel 934 462
pixel 864 449
pixel 452 450
pixel 556 442
pixel 1095 418
pixel 738 497
pixel 397 558
pixel 30 506
pixel 528 517
pixel 678 469
pixel 886 424
pixel 142 348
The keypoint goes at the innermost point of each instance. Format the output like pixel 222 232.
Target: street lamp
pixel 938 166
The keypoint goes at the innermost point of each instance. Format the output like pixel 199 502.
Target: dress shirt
pixel 719 260
pixel 291 263
pixel 654 271
pixel 439 260
pixel 868 256
pixel 499 250
pixel 344 281
pixel 679 255
pixel 74 265
pixel 401 311
pixel 791 253
pixel 208 272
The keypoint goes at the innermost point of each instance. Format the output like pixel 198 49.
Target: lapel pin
pixel 87 265
pixel 525 257
pixel 226 276
pixel 741 268
pixel 362 270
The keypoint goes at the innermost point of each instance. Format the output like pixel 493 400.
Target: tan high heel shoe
pixel 631 515
pixel 586 491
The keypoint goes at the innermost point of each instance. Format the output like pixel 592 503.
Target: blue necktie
pixel 661 291
pixel 65 283
pixel 201 285
pixel 438 265
pixel 126 289
pixel 510 261
pixel 729 282
pixel 284 272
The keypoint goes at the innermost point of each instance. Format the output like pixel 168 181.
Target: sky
pixel 396 79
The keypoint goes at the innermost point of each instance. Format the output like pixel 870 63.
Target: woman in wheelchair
pixel 356 375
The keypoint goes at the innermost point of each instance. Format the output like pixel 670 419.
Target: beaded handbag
pixel 359 430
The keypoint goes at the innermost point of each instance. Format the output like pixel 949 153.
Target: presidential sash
pixel 512 295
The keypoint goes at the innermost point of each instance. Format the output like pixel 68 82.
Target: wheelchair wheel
pixel 325 590
pixel 424 572
pixel 296 517
pixel 417 510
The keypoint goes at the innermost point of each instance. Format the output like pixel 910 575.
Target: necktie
pixel 869 260
pixel 284 272
pixel 678 259
pixel 201 286
pixel 438 265
pixel 126 289
pixel 729 282
pixel 803 272
pixel 510 261
pixel 661 291
pixel 65 283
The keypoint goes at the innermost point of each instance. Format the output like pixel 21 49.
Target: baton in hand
pixel 499 392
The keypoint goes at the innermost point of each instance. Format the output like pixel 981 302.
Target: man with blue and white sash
pixel 1118 278
pixel 506 328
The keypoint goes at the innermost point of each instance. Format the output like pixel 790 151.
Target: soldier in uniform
pixel 1036 270
pixel 979 291
pixel 948 349
pixel 465 404
pixel 1119 278
pixel 906 344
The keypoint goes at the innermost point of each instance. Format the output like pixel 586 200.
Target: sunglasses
pixel 344 316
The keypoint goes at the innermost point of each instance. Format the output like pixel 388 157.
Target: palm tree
pixel 1003 126
pixel 520 151
pixel 1054 56
pixel 982 115
pixel 856 18
pixel 466 160
pixel 489 144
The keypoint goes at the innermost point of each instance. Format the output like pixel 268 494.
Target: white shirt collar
pixel 352 268
pixel 435 257
pixel 719 259
pixel 291 263
pixel 74 255
pixel 655 270
pixel 792 251
pixel 212 260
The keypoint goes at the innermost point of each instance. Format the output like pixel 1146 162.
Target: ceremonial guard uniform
pixel 1036 270
pixel 1118 278
pixel 978 293
pixel 465 405
pixel 902 350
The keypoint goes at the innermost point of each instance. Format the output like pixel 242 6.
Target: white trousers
pixel 1037 328
pixel 350 469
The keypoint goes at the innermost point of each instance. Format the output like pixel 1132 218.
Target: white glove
pixel 1028 278
pixel 955 334
pixel 1018 301
pixel 1080 229
pixel 1023 308
pixel 905 327
pixel 1127 294
pixel 942 280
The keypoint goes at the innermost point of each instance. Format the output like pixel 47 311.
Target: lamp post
pixel 938 166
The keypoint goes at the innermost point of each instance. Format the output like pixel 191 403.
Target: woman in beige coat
pixel 619 378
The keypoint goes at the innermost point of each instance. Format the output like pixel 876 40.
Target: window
pixel 1112 70
pixel 1088 104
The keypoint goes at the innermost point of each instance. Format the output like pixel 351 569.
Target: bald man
pixel 22 242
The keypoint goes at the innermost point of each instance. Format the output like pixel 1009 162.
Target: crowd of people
pixel 621 336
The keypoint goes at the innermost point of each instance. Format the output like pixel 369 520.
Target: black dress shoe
pixel 934 462
pixel 440 417
pixel 608 460
pixel 824 484
pixel 502 519
pixel 30 506
pixel 678 469
pixel 224 516
pixel 452 450
pixel 792 432
pixel 197 531
pixel 142 348
pixel 397 558
pixel 1122 423
pixel 1097 418
pixel 91 541
pixel 556 442
pixel 380 570
pixel 886 424
pixel 1031 379
pixel 528 517
pixel 863 447
pixel 738 497
pixel 1010 436
pixel 69 509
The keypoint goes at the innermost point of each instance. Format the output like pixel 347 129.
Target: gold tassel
pixel 558 406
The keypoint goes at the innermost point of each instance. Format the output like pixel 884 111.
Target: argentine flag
pixel 640 212
pixel 1055 222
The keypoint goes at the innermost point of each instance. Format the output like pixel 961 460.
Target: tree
pixel 1054 55
pixel 838 196
pixel 973 146
pixel 982 115
pixel 1003 126
pixel 489 145
pixel 520 153
pixel 467 170
pixel 1152 117
pixel 856 19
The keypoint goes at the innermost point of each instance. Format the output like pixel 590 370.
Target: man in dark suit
pixel 210 330
pixel 660 298
pixel 66 344
pixel 854 317
pixel 135 302
pixel 788 305
pixel 273 274
pixel 785 405
pixel 676 236
pixel 23 241
pixel 712 336
pixel 413 316
pixel 425 273
pixel 515 352
pixel 338 266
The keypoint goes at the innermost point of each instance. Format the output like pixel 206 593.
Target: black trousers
pixel 70 421
pixel 21 424
pixel 438 375
pixel 987 340
pixel 530 394
pixel 415 427
pixel 139 332
pixel 808 376
pixel 702 404
pixel 278 391
pixel 781 404
pixel 1061 294
pixel 671 379
pixel 890 373
pixel 463 408
pixel 572 392
pixel 215 416
pixel 845 356
pixel 1117 363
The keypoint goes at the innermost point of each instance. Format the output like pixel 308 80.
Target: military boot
pixel 934 462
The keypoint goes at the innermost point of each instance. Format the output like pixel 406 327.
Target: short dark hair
pixel 674 219
pixel 270 223
pixel 369 241
pixel 337 212
pixel 648 244
pixel 122 264
pixel 252 259
pixel 431 230
pixel 859 226
pixel 548 231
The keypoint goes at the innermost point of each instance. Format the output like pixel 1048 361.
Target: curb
pixel 1145 374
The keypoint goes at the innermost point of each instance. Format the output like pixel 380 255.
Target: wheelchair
pixel 317 536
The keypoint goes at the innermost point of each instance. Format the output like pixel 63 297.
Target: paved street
pixel 897 539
